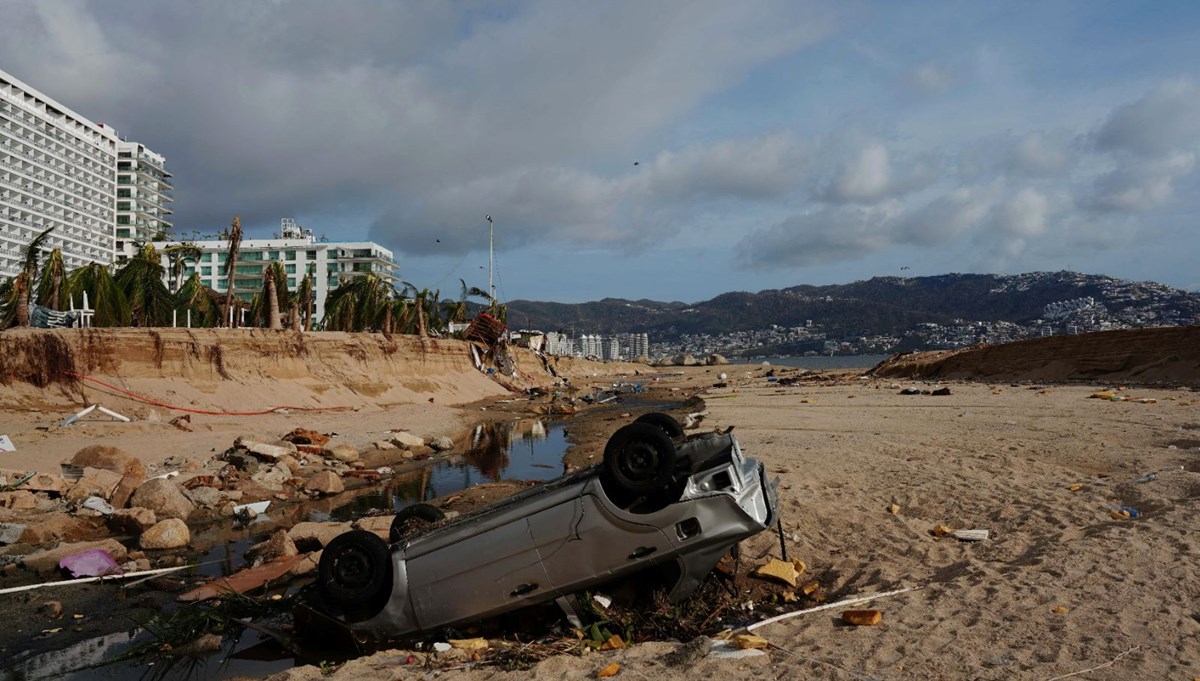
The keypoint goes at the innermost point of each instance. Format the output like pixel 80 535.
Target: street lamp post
pixel 491 256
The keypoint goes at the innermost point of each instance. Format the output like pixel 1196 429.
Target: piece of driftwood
pixel 246 580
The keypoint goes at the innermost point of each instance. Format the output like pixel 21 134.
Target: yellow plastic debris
pixel 1061 610
pixel 469 644
pixel 777 570
pixel 611 670
pixel 810 587
pixel 894 509
pixel 747 641
pixel 1076 487
pixel 862 618
pixel 941 530
pixel 614 642
pixel 1103 395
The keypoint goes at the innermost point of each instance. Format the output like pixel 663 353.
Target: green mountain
pixel 882 305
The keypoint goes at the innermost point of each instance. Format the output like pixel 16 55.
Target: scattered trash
pixel 894 509
pixel 442 647
pixel 99 505
pixel 1077 486
pixel 862 618
pixel 182 422
pixel 251 510
pixel 1103 395
pixel 1061 610
pixel 941 392
pixel 1147 478
pixel 1119 512
pixel 971 535
pixel 88 410
pixel 602 600
pixel 910 391
pixel 91 563
pixel 6 444
pixel 611 670
pixel 941 530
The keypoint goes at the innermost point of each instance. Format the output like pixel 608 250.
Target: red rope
pixel 147 400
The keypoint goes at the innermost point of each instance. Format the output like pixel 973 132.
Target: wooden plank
pixel 246 580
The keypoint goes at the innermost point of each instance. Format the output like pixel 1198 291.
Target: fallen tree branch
pixel 1099 666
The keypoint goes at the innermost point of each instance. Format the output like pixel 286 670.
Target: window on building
pixel 124 194
pixel 290 269
pixel 122 205
pixel 122 219
pixel 290 255
pixel 274 255
pixel 312 255
pixel 206 257
pixel 205 271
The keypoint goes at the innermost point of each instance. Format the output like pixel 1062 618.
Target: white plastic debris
pixel 441 647
pixel 727 650
pixel 99 505
pixel 255 509
pixel 602 600
pixel 6 445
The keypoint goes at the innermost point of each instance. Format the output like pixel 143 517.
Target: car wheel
pixel 411 518
pixel 666 422
pixel 639 459
pixel 355 570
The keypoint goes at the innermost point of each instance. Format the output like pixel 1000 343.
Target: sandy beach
pixel 1064 583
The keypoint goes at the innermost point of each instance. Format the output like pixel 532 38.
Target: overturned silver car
pixel 658 499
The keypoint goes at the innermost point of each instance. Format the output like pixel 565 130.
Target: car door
pixel 584 542
pixel 487 573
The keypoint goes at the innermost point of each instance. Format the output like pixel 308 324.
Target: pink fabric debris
pixel 91 563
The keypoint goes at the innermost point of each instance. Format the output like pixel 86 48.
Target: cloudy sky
pixel 666 150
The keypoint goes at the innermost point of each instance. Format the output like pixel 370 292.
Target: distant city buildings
pixel 623 346
pixel 59 169
pixel 330 263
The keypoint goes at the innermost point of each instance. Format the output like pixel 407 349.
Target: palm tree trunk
pixel 22 286
pixel 272 302
pixel 422 331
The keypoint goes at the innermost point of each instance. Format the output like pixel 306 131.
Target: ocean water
pixel 820 362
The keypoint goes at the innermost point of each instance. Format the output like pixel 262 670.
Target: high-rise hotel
pixel 59 169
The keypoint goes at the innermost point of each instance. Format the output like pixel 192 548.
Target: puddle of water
pixel 521 450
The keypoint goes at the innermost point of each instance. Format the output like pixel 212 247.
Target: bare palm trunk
pixel 387 321
pixel 308 304
pixel 235 242
pixel 22 286
pixel 422 330
pixel 294 317
pixel 272 302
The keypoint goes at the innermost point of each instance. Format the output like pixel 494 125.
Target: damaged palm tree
pixel 235 243
pixel 107 299
pixel 51 283
pixel 141 279
pixel 16 303
pixel 178 256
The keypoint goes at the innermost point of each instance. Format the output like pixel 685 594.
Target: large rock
pixel 130 468
pixel 441 443
pixel 207 497
pixel 716 360
pixel 10 533
pixel 310 536
pixel 343 452
pixel 61 527
pixel 407 440
pixel 273 478
pixel 685 360
pixel 95 482
pixel 325 483
pixel 45 561
pixel 171 533
pixel 280 545
pixel 132 520
pixel 164 498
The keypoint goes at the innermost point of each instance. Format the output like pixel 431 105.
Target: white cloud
pixel 1164 121
pixel 1140 185
pixel 931 78
pixel 867 177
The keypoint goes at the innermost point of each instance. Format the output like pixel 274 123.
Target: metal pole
pixel 491 257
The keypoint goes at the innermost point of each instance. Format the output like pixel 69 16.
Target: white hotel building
pixel 331 263
pixel 59 169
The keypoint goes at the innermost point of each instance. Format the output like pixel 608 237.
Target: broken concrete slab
pixel 47 560
pixel 345 453
pixel 38 482
pixel 325 483
pixel 132 520
pixel 95 482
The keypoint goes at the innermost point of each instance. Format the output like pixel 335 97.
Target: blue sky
pixel 660 150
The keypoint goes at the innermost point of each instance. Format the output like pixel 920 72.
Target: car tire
pixel 666 422
pixel 639 459
pixel 418 512
pixel 355 571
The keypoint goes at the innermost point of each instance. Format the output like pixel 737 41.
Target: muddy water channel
pixel 519 450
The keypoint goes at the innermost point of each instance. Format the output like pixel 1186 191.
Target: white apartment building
pixel 57 169
pixel 301 253
pixel 143 192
